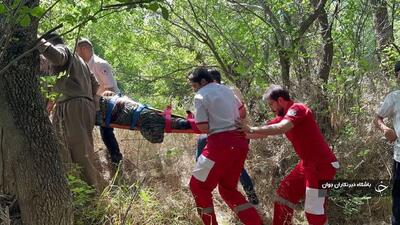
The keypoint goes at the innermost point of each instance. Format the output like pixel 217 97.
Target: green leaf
pixel 164 13
pixel 37 11
pixel 3 9
pixel 85 11
pixel 241 68
pixel 26 20
pixel 15 4
pixel 153 6
pixel 70 19
pixel 24 10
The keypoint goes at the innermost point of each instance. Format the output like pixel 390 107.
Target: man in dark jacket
pixel 75 110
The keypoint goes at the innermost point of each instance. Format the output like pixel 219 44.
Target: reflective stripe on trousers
pixel 202 211
pixel 285 202
pixel 242 207
pixel 280 200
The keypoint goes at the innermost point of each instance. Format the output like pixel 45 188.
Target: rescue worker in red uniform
pixel 317 161
pixel 221 162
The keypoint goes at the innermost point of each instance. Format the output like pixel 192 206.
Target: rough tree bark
pixel 325 63
pixel 30 167
pixel 382 26
pixel 284 61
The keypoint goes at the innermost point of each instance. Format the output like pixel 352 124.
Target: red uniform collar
pixel 291 102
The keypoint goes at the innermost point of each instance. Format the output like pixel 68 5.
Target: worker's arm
pixel 107 77
pixel 264 131
pixel 254 136
pixel 56 54
pixel 201 114
pixel 94 82
pixel 389 133
pixel 242 111
pixel 386 110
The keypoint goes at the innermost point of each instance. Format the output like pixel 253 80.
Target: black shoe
pixel 252 197
pixel 116 159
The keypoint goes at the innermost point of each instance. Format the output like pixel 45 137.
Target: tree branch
pixel 246 7
pixel 34 47
pixel 48 9
pixel 127 4
pixel 274 21
pixel 305 24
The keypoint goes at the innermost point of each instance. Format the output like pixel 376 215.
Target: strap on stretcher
pixel 110 108
pixel 190 119
pixel 136 115
pixel 167 116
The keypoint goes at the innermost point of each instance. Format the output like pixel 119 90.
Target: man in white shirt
pixel 103 72
pixel 391 109
pixel 245 179
pixel 222 160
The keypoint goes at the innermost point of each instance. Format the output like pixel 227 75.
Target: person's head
pixel 277 98
pixel 199 77
pixel 84 48
pixel 397 69
pixel 215 75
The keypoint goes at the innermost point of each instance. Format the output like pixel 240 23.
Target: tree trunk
pixel 30 167
pixel 325 63
pixel 285 67
pixel 303 68
pixel 327 54
pixel 383 28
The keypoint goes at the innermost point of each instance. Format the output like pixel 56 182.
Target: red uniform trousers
pixel 302 182
pixel 221 164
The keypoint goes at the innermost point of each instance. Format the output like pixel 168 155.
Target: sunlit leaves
pixel 153 6
pixel 157 7
pixel 3 8
pixel 17 13
pixel 37 11
pixel 150 55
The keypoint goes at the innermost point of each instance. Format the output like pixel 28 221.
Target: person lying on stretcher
pixel 123 112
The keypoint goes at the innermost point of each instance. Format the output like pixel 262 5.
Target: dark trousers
pixel 107 134
pixel 245 179
pixel 396 194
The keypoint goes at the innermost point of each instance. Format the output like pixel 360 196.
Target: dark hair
pixel 54 38
pixel 274 92
pixel 397 67
pixel 198 74
pixel 215 75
